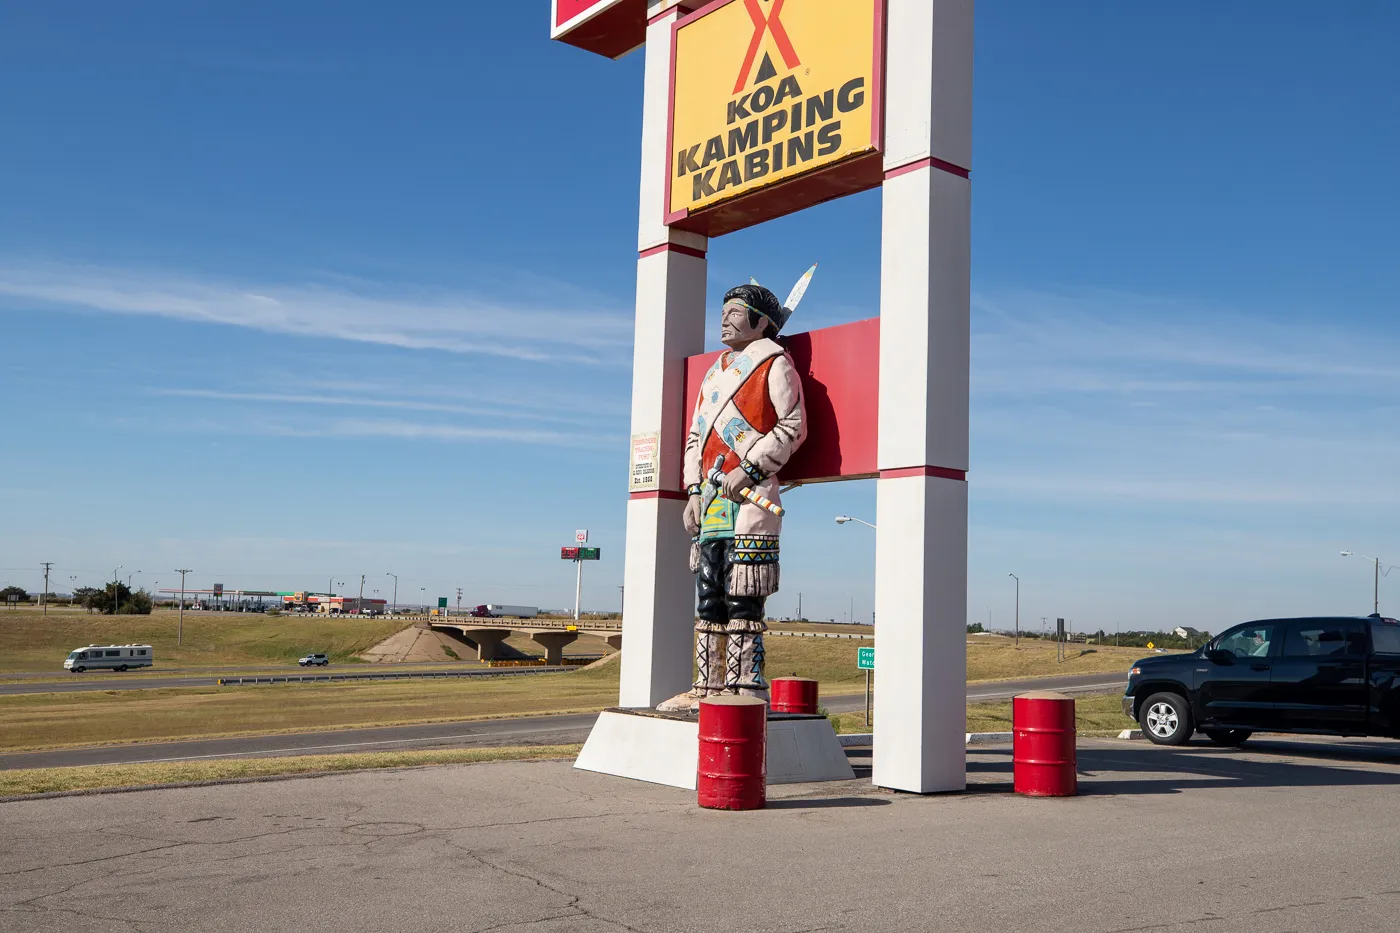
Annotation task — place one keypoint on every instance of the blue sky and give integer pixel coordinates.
(303, 289)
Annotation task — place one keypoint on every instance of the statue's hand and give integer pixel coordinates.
(692, 516)
(735, 481)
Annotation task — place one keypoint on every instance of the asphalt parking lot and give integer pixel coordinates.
(1293, 835)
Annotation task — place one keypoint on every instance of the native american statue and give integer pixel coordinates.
(748, 420)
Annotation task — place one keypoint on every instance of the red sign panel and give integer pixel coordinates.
(840, 370)
(608, 27)
(568, 553)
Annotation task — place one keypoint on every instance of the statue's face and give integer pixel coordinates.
(735, 331)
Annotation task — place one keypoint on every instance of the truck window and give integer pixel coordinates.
(1250, 641)
(113, 654)
(1325, 638)
(1385, 637)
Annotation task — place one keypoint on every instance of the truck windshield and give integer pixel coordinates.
(74, 655)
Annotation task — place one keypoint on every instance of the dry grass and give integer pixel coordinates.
(29, 642)
(1098, 714)
(95, 777)
(96, 717)
(45, 720)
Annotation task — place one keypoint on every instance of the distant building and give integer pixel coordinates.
(1186, 632)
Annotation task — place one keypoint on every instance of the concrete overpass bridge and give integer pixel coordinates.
(487, 636)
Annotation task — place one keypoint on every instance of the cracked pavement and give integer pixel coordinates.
(1293, 835)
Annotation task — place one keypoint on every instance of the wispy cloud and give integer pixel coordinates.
(1106, 398)
(361, 401)
(390, 314)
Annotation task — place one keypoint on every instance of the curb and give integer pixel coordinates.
(1130, 734)
(851, 739)
(987, 738)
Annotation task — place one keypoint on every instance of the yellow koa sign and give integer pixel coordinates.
(770, 90)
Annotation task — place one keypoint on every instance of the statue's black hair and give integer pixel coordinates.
(760, 298)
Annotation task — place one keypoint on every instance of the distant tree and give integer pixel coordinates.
(975, 628)
(109, 599)
(13, 593)
(137, 604)
(84, 596)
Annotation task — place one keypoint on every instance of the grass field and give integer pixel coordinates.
(94, 777)
(1093, 715)
(31, 642)
(97, 717)
(220, 639)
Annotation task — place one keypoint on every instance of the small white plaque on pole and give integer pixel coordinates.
(645, 474)
(581, 536)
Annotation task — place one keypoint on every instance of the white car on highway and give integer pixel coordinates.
(314, 660)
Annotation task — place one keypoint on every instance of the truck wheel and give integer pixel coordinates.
(121, 668)
(79, 670)
(1229, 738)
(1166, 719)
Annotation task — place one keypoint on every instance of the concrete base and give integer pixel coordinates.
(664, 748)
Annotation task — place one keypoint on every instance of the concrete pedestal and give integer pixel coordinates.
(664, 748)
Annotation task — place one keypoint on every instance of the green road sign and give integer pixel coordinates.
(442, 602)
(865, 659)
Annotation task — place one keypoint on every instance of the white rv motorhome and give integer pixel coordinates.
(108, 658)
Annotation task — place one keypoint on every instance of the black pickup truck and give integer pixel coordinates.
(1328, 675)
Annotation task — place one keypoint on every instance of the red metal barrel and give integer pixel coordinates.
(733, 772)
(794, 695)
(1042, 750)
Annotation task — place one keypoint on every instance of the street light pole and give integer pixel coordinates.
(842, 519)
(1018, 607)
(116, 588)
(396, 589)
(1376, 586)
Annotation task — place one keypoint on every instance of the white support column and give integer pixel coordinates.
(659, 625)
(921, 541)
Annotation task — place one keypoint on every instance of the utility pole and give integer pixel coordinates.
(799, 607)
(180, 638)
(1018, 607)
(459, 600)
(116, 588)
(360, 602)
(394, 606)
(44, 599)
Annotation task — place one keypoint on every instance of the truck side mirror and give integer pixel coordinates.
(1220, 656)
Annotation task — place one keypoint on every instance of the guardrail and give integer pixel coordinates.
(822, 635)
(537, 662)
(395, 675)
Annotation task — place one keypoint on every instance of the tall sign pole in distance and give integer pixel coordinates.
(578, 555)
(180, 637)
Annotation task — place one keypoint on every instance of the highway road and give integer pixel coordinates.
(532, 730)
(86, 682)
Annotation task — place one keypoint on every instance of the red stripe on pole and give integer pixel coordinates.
(929, 162)
(660, 494)
(940, 472)
(674, 248)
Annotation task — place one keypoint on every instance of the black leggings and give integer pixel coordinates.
(711, 582)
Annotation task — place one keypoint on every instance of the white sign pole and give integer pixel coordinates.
(670, 325)
(921, 496)
(578, 587)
